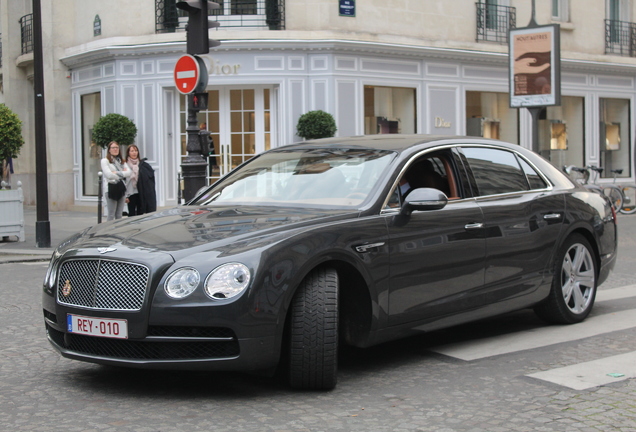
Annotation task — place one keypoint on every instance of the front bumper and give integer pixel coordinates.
(222, 352)
(196, 333)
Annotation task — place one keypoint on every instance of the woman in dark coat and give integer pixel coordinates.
(146, 187)
(140, 193)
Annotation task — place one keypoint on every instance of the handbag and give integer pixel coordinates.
(116, 190)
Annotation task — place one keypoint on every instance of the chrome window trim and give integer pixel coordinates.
(516, 153)
(471, 143)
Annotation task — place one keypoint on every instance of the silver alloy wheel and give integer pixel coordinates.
(578, 279)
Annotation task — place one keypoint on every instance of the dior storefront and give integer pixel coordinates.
(258, 89)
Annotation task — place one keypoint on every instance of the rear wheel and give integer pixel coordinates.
(629, 203)
(615, 195)
(574, 284)
(313, 332)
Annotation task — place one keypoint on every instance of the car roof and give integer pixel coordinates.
(391, 142)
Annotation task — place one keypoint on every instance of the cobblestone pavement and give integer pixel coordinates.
(399, 386)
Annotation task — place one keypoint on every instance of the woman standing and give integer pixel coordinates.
(140, 191)
(132, 192)
(115, 170)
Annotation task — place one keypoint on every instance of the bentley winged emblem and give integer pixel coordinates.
(66, 288)
(103, 250)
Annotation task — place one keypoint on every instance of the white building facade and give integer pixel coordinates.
(382, 67)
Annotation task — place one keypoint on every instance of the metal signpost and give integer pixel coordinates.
(191, 79)
(535, 70)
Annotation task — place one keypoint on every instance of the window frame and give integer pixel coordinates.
(562, 10)
(518, 157)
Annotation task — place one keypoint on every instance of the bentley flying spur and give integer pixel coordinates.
(323, 243)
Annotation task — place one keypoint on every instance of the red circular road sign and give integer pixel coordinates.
(190, 74)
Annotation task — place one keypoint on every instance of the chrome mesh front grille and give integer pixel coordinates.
(102, 284)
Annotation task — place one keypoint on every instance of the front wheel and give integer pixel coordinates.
(313, 332)
(574, 283)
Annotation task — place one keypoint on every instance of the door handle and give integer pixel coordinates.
(475, 225)
(552, 216)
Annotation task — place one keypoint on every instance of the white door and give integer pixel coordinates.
(240, 123)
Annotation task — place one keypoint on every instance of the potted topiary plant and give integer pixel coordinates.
(316, 124)
(114, 127)
(10, 137)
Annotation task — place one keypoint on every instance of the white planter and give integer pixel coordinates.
(12, 212)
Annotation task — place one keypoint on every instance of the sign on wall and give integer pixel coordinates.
(442, 107)
(347, 8)
(97, 26)
(535, 66)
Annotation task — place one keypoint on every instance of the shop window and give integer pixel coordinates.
(389, 110)
(614, 136)
(562, 133)
(91, 152)
(489, 115)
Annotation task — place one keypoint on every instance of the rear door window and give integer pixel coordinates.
(534, 179)
(495, 171)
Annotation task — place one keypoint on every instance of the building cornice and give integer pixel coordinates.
(116, 48)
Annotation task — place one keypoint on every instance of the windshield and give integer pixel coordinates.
(313, 177)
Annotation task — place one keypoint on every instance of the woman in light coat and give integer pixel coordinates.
(114, 169)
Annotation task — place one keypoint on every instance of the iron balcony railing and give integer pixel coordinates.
(494, 21)
(256, 14)
(26, 29)
(620, 38)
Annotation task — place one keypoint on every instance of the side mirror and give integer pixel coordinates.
(424, 199)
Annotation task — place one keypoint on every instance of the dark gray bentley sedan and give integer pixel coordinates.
(338, 241)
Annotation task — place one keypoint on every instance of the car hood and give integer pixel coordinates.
(184, 230)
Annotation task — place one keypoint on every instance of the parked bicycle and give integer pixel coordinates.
(582, 176)
(612, 191)
(629, 195)
(627, 190)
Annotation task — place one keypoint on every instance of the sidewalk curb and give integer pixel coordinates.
(21, 259)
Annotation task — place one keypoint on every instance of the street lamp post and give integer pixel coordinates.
(42, 224)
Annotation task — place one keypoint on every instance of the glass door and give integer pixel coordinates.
(91, 152)
(240, 125)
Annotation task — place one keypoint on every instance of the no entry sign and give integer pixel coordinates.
(190, 74)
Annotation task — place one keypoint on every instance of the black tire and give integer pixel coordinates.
(574, 284)
(313, 332)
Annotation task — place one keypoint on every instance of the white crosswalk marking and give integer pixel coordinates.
(538, 337)
(579, 376)
(616, 293)
(593, 373)
(549, 335)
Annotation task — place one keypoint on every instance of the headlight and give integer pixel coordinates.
(181, 283)
(51, 271)
(227, 281)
